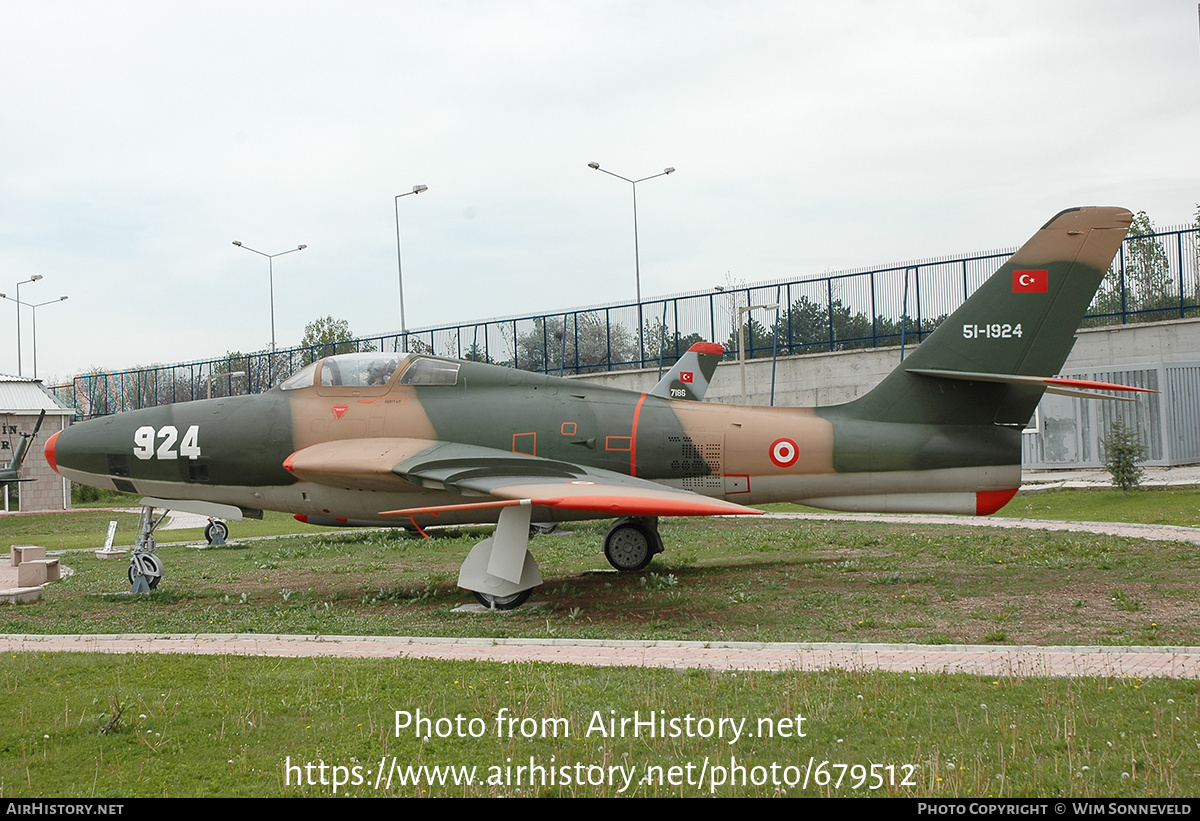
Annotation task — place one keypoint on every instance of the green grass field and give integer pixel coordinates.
(99, 726)
(119, 726)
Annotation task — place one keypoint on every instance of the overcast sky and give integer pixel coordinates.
(140, 139)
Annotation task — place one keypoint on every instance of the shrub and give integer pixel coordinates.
(1123, 452)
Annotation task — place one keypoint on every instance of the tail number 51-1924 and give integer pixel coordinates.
(144, 437)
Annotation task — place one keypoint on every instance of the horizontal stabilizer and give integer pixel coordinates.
(1052, 384)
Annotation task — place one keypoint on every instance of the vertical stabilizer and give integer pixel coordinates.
(1022, 321)
(690, 377)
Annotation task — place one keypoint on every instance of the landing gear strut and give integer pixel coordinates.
(631, 543)
(145, 568)
(500, 570)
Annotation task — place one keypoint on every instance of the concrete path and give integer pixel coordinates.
(1000, 661)
(1154, 533)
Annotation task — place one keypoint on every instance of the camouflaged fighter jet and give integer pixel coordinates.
(415, 440)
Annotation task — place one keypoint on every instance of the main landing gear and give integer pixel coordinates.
(502, 602)
(215, 533)
(632, 542)
(501, 572)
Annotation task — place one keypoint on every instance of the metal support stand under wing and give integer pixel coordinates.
(500, 570)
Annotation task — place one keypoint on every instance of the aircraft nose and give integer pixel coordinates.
(50, 445)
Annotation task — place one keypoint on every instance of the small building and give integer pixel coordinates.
(22, 400)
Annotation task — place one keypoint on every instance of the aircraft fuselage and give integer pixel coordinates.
(232, 450)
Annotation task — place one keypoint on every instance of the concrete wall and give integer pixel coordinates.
(832, 378)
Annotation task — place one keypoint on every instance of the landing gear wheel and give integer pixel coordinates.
(630, 545)
(152, 579)
(216, 532)
(502, 602)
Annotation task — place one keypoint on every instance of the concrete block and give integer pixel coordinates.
(31, 574)
(52, 571)
(26, 552)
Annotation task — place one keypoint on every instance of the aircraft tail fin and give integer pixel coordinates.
(1020, 323)
(691, 375)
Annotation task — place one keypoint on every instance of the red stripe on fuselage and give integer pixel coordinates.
(633, 439)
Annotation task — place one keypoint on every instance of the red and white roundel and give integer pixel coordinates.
(784, 453)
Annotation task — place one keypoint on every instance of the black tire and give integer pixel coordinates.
(629, 545)
(213, 528)
(152, 581)
(502, 602)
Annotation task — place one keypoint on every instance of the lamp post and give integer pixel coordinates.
(417, 189)
(271, 274)
(33, 309)
(741, 312)
(33, 278)
(637, 266)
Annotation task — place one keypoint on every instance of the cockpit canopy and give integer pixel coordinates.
(373, 370)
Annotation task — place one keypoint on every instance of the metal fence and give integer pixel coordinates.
(1154, 277)
(1069, 431)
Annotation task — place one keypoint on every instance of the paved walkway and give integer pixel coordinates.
(1154, 533)
(1140, 662)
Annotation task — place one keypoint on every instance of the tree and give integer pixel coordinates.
(591, 343)
(1123, 452)
(1150, 287)
(667, 344)
(1147, 269)
(326, 336)
(476, 353)
(1196, 256)
(760, 340)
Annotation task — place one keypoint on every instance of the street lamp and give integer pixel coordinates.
(271, 274)
(33, 310)
(33, 278)
(741, 313)
(637, 267)
(417, 189)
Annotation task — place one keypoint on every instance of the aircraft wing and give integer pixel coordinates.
(499, 478)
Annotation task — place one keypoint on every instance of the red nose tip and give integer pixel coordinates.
(50, 443)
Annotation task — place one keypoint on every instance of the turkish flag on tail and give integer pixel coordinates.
(1030, 282)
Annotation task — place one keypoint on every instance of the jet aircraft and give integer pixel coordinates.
(417, 440)
(11, 472)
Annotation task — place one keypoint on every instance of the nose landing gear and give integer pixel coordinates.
(145, 568)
